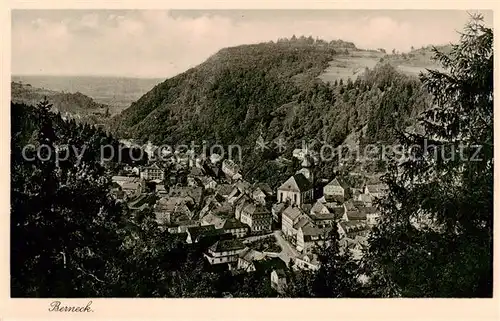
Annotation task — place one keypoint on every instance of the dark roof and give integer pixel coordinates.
(302, 222)
(353, 226)
(358, 203)
(368, 209)
(338, 212)
(279, 207)
(270, 263)
(306, 207)
(227, 245)
(265, 188)
(338, 182)
(197, 230)
(232, 223)
(302, 182)
(251, 255)
(296, 183)
(321, 216)
(196, 171)
(310, 231)
(224, 189)
(356, 215)
(255, 209)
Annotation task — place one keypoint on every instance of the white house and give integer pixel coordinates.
(297, 190)
(335, 190)
(224, 251)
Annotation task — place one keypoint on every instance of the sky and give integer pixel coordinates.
(163, 43)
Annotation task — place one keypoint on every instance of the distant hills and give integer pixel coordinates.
(71, 105)
(117, 92)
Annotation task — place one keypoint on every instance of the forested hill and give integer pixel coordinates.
(71, 105)
(273, 90)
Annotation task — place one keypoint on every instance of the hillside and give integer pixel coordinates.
(273, 90)
(71, 105)
(116, 92)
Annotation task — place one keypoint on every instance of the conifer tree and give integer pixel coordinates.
(435, 238)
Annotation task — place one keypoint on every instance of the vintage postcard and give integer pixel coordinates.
(225, 153)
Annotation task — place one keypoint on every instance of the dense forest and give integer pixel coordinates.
(69, 238)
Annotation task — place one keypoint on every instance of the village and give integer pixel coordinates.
(206, 200)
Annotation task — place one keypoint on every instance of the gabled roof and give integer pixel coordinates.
(319, 216)
(131, 185)
(227, 245)
(196, 171)
(211, 219)
(338, 183)
(278, 207)
(356, 216)
(312, 259)
(303, 183)
(251, 255)
(265, 188)
(153, 166)
(304, 221)
(254, 209)
(269, 264)
(312, 230)
(368, 210)
(198, 232)
(224, 189)
(233, 223)
(296, 183)
(231, 165)
(205, 180)
(224, 209)
(257, 191)
(338, 212)
(319, 207)
(242, 200)
(243, 186)
(292, 212)
(160, 188)
(377, 188)
(353, 226)
(121, 179)
(358, 204)
(306, 207)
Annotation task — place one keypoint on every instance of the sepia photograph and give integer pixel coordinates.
(250, 153)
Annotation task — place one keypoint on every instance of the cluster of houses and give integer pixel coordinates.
(207, 201)
(204, 199)
(307, 223)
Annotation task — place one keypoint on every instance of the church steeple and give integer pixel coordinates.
(306, 170)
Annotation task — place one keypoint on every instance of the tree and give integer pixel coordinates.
(435, 238)
(63, 223)
(337, 276)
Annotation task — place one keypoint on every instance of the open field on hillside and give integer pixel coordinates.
(354, 64)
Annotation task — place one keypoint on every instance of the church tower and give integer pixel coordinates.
(306, 170)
